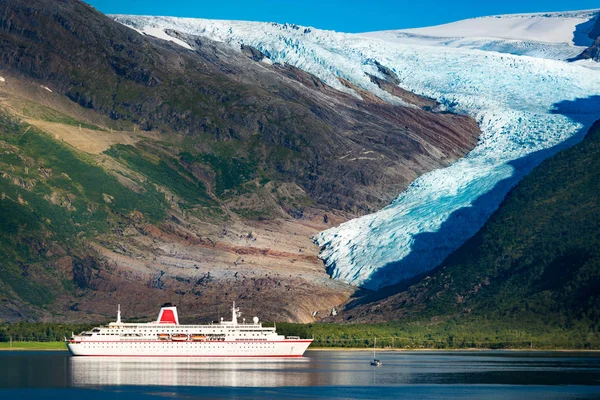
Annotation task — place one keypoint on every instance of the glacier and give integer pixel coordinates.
(527, 107)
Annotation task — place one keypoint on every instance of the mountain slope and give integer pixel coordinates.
(82, 231)
(537, 257)
(138, 171)
(521, 112)
(213, 90)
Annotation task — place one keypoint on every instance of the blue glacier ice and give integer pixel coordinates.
(527, 107)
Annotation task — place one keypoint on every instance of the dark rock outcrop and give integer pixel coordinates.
(595, 32)
(593, 52)
(252, 53)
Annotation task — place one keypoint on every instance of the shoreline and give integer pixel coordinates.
(33, 346)
(383, 349)
(31, 349)
(60, 346)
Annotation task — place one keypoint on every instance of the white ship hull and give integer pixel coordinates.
(157, 348)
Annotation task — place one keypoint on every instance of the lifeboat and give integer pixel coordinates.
(198, 338)
(163, 336)
(179, 337)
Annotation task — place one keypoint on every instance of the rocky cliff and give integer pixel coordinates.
(593, 52)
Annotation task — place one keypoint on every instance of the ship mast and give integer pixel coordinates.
(235, 312)
(118, 314)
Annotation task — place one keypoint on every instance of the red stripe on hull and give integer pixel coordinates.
(189, 341)
(176, 355)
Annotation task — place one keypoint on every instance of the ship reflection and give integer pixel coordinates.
(165, 371)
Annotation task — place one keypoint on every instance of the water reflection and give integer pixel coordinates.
(334, 369)
(166, 371)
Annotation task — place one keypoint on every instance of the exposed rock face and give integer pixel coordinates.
(252, 53)
(593, 52)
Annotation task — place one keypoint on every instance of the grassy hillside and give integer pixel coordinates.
(53, 198)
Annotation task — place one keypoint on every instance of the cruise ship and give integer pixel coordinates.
(165, 337)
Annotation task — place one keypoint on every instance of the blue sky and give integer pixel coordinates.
(340, 15)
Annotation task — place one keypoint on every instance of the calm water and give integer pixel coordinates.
(336, 374)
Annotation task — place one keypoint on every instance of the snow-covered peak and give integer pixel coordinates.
(547, 27)
(559, 35)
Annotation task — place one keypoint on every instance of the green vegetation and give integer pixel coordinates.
(539, 255)
(72, 172)
(37, 336)
(238, 170)
(237, 162)
(53, 197)
(81, 177)
(455, 333)
(230, 173)
(38, 111)
(39, 331)
(33, 346)
(165, 172)
(451, 334)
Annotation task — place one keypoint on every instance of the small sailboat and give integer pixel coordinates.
(375, 362)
